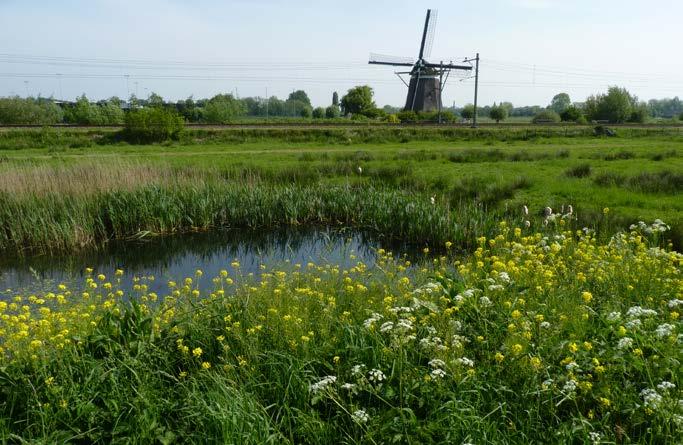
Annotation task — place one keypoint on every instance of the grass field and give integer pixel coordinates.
(559, 326)
(635, 178)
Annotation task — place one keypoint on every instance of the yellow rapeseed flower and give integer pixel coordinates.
(197, 352)
(206, 365)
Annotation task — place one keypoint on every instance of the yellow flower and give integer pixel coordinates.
(101, 277)
(605, 210)
(587, 345)
(587, 297)
(516, 314)
(118, 272)
(336, 359)
(604, 402)
(535, 362)
(448, 244)
(517, 348)
(206, 365)
(499, 357)
(573, 347)
(197, 352)
(224, 273)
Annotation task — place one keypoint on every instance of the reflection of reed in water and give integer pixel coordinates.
(184, 253)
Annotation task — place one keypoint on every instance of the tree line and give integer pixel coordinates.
(617, 105)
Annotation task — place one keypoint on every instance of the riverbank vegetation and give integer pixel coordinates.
(548, 337)
(424, 191)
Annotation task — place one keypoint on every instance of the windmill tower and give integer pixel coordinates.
(426, 79)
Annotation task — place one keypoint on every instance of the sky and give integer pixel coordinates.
(530, 49)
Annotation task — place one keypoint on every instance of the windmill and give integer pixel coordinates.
(426, 79)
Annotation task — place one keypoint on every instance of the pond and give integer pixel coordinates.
(177, 256)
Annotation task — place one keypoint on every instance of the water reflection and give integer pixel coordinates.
(177, 256)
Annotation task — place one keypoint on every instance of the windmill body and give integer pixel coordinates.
(426, 79)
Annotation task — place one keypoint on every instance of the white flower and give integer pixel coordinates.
(360, 416)
(637, 311)
(376, 375)
(572, 366)
(495, 287)
(375, 317)
(570, 210)
(595, 437)
(570, 386)
(545, 325)
(651, 398)
(525, 210)
(437, 363)
(548, 211)
(322, 384)
(632, 324)
(527, 223)
(664, 330)
(504, 277)
(665, 386)
(432, 200)
(360, 170)
(546, 383)
(357, 370)
(614, 316)
(348, 386)
(387, 326)
(465, 361)
(437, 374)
(625, 342)
(485, 302)
(675, 303)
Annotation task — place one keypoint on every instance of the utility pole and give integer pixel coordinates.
(476, 90)
(267, 100)
(440, 89)
(26, 85)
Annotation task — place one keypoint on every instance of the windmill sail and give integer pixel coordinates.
(426, 79)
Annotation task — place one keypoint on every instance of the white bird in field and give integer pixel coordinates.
(360, 170)
(432, 200)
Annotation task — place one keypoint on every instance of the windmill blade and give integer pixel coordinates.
(383, 59)
(430, 32)
(430, 23)
(449, 66)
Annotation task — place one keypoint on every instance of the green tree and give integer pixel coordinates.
(306, 112)
(332, 111)
(335, 99)
(545, 116)
(467, 112)
(223, 108)
(498, 113)
(560, 102)
(358, 100)
(83, 113)
(301, 96)
(319, 112)
(680, 117)
(17, 110)
(154, 100)
(571, 114)
(615, 107)
(154, 124)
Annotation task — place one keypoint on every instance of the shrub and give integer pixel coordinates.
(680, 117)
(545, 116)
(408, 116)
(15, 110)
(571, 114)
(579, 171)
(392, 119)
(152, 125)
(332, 112)
(319, 112)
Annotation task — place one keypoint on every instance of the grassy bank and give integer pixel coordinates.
(539, 338)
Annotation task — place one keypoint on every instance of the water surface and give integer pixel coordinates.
(177, 256)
